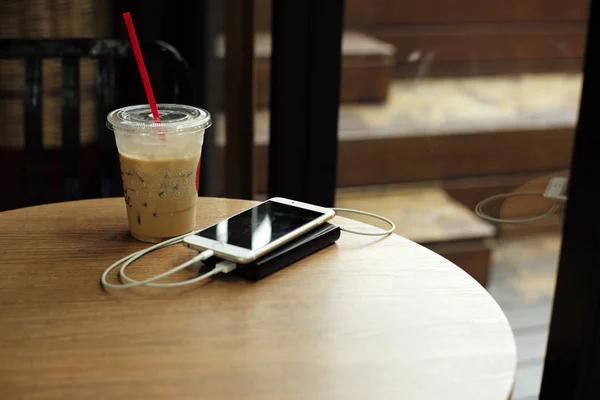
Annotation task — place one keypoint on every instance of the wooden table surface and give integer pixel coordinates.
(365, 318)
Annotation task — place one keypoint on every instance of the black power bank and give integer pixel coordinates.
(287, 254)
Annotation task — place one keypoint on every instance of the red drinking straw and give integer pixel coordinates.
(145, 79)
(141, 66)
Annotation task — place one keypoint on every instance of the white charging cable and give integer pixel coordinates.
(221, 267)
(480, 213)
(391, 229)
(127, 260)
(556, 191)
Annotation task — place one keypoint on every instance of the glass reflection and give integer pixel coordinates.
(222, 231)
(262, 234)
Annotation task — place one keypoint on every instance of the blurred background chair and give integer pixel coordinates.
(73, 170)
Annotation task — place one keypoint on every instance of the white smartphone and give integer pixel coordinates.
(256, 231)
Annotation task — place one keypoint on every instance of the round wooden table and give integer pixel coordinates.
(365, 318)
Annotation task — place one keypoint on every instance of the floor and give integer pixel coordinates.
(522, 281)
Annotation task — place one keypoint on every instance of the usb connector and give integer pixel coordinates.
(557, 189)
(225, 266)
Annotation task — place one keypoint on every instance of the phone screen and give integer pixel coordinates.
(258, 226)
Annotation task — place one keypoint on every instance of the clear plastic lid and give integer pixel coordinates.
(175, 119)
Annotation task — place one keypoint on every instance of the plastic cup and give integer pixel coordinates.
(160, 162)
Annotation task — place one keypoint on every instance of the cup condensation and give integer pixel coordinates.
(159, 166)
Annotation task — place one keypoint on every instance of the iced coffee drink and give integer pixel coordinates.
(159, 164)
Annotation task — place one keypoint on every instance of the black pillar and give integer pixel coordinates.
(238, 82)
(305, 92)
(572, 366)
